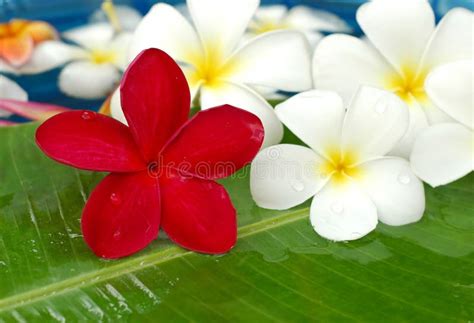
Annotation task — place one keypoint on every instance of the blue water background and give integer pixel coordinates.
(66, 14)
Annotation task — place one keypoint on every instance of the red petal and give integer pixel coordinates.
(155, 100)
(197, 214)
(215, 143)
(88, 140)
(122, 215)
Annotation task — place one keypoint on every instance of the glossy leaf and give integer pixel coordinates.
(279, 270)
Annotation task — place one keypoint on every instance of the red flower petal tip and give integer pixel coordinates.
(162, 165)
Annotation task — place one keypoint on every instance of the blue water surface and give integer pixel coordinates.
(66, 14)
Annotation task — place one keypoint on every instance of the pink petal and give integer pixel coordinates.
(31, 110)
(6, 123)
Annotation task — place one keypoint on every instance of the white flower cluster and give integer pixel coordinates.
(406, 90)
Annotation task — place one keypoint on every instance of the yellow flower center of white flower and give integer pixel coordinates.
(409, 85)
(211, 69)
(340, 166)
(101, 56)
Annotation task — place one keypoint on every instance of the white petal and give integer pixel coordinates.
(343, 212)
(452, 39)
(443, 153)
(116, 107)
(417, 123)
(120, 46)
(91, 36)
(313, 38)
(302, 17)
(183, 10)
(269, 93)
(375, 121)
(434, 114)
(87, 80)
(315, 117)
(222, 23)
(165, 28)
(272, 13)
(396, 192)
(7, 68)
(193, 82)
(279, 59)
(49, 55)
(127, 16)
(400, 29)
(284, 176)
(247, 99)
(451, 87)
(10, 90)
(342, 63)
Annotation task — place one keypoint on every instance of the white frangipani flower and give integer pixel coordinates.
(403, 46)
(345, 168)
(10, 90)
(309, 21)
(444, 152)
(218, 70)
(96, 66)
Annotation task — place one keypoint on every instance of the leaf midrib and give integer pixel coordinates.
(135, 264)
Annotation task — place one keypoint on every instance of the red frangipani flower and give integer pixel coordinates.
(162, 165)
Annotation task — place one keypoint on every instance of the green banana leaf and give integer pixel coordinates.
(280, 270)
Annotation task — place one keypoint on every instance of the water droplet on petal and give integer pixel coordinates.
(117, 234)
(298, 186)
(404, 179)
(337, 208)
(115, 199)
(88, 115)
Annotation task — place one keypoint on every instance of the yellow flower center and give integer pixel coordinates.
(100, 56)
(409, 84)
(340, 166)
(211, 69)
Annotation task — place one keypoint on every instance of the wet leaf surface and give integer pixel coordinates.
(280, 269)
